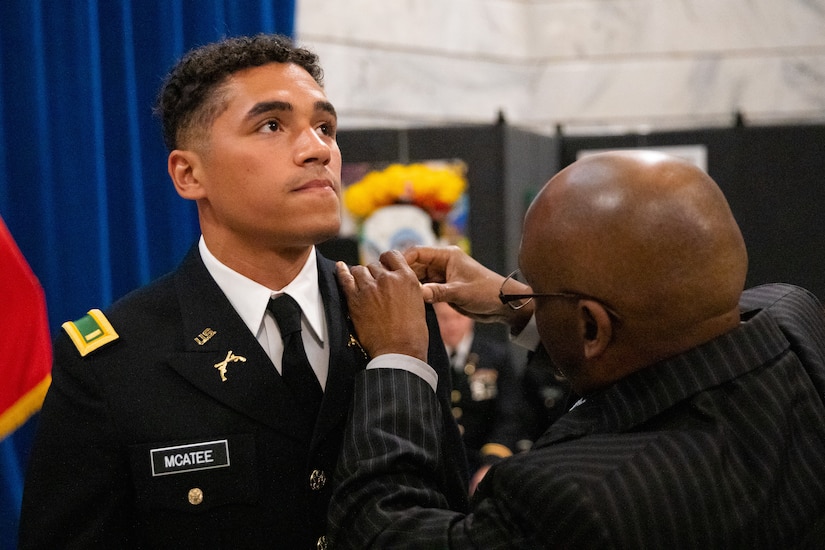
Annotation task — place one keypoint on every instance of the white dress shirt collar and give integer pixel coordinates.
(250, 299)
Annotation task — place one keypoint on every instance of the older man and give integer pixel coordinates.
(701, 423)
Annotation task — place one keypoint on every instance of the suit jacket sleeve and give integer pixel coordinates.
(389, 491)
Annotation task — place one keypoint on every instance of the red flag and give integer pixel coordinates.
(25, 342)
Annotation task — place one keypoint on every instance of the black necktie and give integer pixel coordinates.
(295, 368)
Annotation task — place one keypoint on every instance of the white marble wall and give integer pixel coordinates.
(587, 65)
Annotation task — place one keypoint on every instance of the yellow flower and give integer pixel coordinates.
(435, 189)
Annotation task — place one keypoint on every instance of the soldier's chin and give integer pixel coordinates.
(328, 233)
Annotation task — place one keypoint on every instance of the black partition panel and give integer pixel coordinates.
(774, 179)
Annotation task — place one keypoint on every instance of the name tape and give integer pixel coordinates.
(189, 458)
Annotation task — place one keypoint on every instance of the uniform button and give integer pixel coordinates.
(195, 496)
(317, 480)
(455, 396)
(469, 369)
(322, 543)
(457, 412)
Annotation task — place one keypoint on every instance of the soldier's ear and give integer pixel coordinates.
(185, 169)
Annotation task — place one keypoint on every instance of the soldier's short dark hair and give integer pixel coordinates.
(191, 96)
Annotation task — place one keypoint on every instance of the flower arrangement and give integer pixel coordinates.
(433, 189)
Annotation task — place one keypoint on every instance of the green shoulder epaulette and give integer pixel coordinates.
(90, 332)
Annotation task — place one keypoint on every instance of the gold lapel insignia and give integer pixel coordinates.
(230, 358)
(204, 336)
(354, 343)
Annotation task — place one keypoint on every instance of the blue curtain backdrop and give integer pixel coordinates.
(83, 183)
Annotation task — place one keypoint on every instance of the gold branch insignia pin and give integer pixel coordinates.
(354, 343)
(204, 336)
(230, 358)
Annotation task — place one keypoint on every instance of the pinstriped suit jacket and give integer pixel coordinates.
(720, 447)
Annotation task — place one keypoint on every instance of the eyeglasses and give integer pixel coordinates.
(518, 301)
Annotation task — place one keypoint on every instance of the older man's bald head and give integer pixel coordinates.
(649, 234)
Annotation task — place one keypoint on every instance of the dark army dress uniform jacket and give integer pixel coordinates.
(141, 444)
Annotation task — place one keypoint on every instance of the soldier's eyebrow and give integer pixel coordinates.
(268, 106)
(326, 106)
